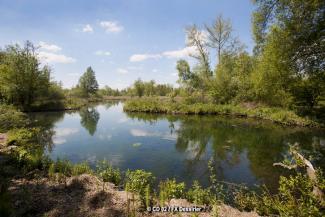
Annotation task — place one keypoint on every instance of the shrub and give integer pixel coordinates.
(139, 182)
(63, 167)
(199, 195)
(81, 168)
(107, 173)
(298, 195)
(11, 118)
(170, 189)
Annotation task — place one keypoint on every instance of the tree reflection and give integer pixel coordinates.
(241, 149)
(89, 119)
(45, 121)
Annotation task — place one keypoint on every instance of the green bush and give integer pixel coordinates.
(63, 167)
(11, 118)
(295, 198)
(81, 168)
(199, 195)
(107, 173)
(171, 189)
(29, 153)
(139, 182)
(298, 195)
(24, 137)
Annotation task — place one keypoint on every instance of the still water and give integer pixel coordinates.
(180, 147)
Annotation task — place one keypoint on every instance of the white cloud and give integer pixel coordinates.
(155, 70)
(142, 57)
(122, 71)
(102, 53)
(87, 28)
(111, 26)
(61, 134)
(49, 47)
(144, 133)
(182, 53)
(55, 58)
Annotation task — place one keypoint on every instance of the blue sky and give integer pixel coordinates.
(121, 39)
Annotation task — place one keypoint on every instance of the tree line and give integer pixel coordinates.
(26, 82)
(287, 67)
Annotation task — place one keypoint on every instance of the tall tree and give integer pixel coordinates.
(197, 39)
(88, 83)
(219, 34)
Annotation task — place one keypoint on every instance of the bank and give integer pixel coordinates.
(274, 114)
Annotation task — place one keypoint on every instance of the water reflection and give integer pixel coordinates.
(238, 148)
(179, 146)
(89, 119)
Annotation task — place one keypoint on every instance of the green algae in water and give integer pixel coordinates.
(135, 145)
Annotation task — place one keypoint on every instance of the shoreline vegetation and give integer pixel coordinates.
(276, 115)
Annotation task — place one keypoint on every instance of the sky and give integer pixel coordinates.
(122, 40)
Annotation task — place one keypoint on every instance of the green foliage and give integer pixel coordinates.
(295, 198)
(199, 195)
(290, 43)
(87, 83)
(63, 167)
(107, 91)
(184, 71)
(276, 115)
(22, 80)
(11, 118)
(142, 88)
(299, 194)
(138, 182)
(169, 189)
(107, 173)
(81, 168)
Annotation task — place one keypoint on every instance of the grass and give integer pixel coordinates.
(277, 115)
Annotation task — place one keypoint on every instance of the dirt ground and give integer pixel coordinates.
(83, 196)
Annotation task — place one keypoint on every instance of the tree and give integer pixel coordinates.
(139, 87)
(197, 39)
(219, 34)
(22, 80)
(233, 78)
(88, 83)
(184, 71)
(300, 24)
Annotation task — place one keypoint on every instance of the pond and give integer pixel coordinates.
(178, 146)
